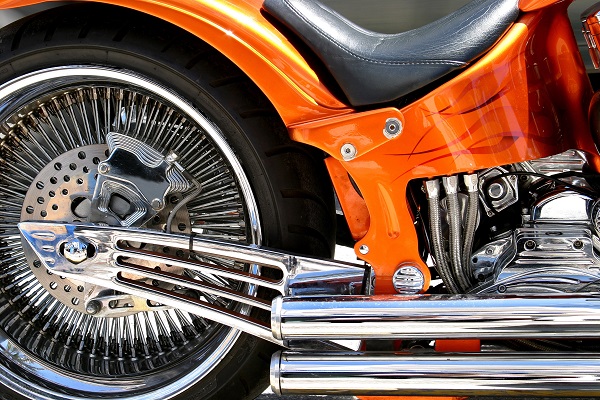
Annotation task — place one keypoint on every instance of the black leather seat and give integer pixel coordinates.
(375, 68)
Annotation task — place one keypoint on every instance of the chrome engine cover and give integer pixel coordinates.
(556, 250)
(546, 258)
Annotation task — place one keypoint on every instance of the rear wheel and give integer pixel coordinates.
(72, 75)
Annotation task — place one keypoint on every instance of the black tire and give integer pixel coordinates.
(294, 196)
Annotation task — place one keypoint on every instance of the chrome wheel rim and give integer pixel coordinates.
(73, 103)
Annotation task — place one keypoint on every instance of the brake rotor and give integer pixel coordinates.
(62, 191)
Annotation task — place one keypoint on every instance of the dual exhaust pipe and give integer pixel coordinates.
(436, 317)
(476, 374)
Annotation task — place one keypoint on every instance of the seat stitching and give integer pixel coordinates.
(339, 45)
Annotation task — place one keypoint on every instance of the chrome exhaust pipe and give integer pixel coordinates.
(474, 374)
(436, 317)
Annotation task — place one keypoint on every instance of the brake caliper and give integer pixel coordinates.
(134, 182)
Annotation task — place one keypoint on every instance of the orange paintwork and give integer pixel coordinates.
(526, 99)
(353, 206)
(532, 5)
(458, 345)
(239, 31)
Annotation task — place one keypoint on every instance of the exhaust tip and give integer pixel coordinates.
(276, 306)
(275, 374)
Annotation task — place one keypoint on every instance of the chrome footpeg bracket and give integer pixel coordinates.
(106, 256)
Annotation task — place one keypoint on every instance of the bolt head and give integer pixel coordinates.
(93, 307)
(171, 157)
(496, 191)
(393, 128)
(363, 249)
(408, 279)
(76, 251)
(103, 168)
(348, 152)
(157, 204)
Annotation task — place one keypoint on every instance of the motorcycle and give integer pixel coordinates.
(169, 173)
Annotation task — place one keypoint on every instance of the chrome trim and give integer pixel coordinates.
(436, 317)
(591, 31)
(275, 374)
(570, 160)
(408, 279)
(107, 268)
(474, 374)
(510, 193)
(540, 258)
(562, 205)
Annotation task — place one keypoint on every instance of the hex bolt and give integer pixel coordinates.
(348, 152)
(578, 244)
(93, 307)
(530, 245)
(103, 168)
(363, 249)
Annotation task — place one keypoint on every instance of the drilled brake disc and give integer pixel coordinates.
(50, 149)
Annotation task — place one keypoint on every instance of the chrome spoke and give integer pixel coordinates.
(61, 134)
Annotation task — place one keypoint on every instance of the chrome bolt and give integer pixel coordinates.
(408, 279)
(489, 251)
(157, 204)
(103, 168)
(393, 128)
(171, 157)
(578, 244)
(530, 245)
(363, 249)
(76, 251)
(348, 152)
(93, 307)
(496, 190)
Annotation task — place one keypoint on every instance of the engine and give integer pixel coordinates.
(537, 229)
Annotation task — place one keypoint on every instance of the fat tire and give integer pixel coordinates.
(293, 192)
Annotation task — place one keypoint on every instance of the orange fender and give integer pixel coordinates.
(239, 31)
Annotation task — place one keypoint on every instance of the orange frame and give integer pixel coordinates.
(526, 98)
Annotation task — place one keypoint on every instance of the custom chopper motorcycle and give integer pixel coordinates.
(167, 215)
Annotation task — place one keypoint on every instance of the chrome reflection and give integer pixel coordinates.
(436, 317)
(475, 374)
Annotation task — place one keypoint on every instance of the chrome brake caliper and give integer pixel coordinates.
(134, 182)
